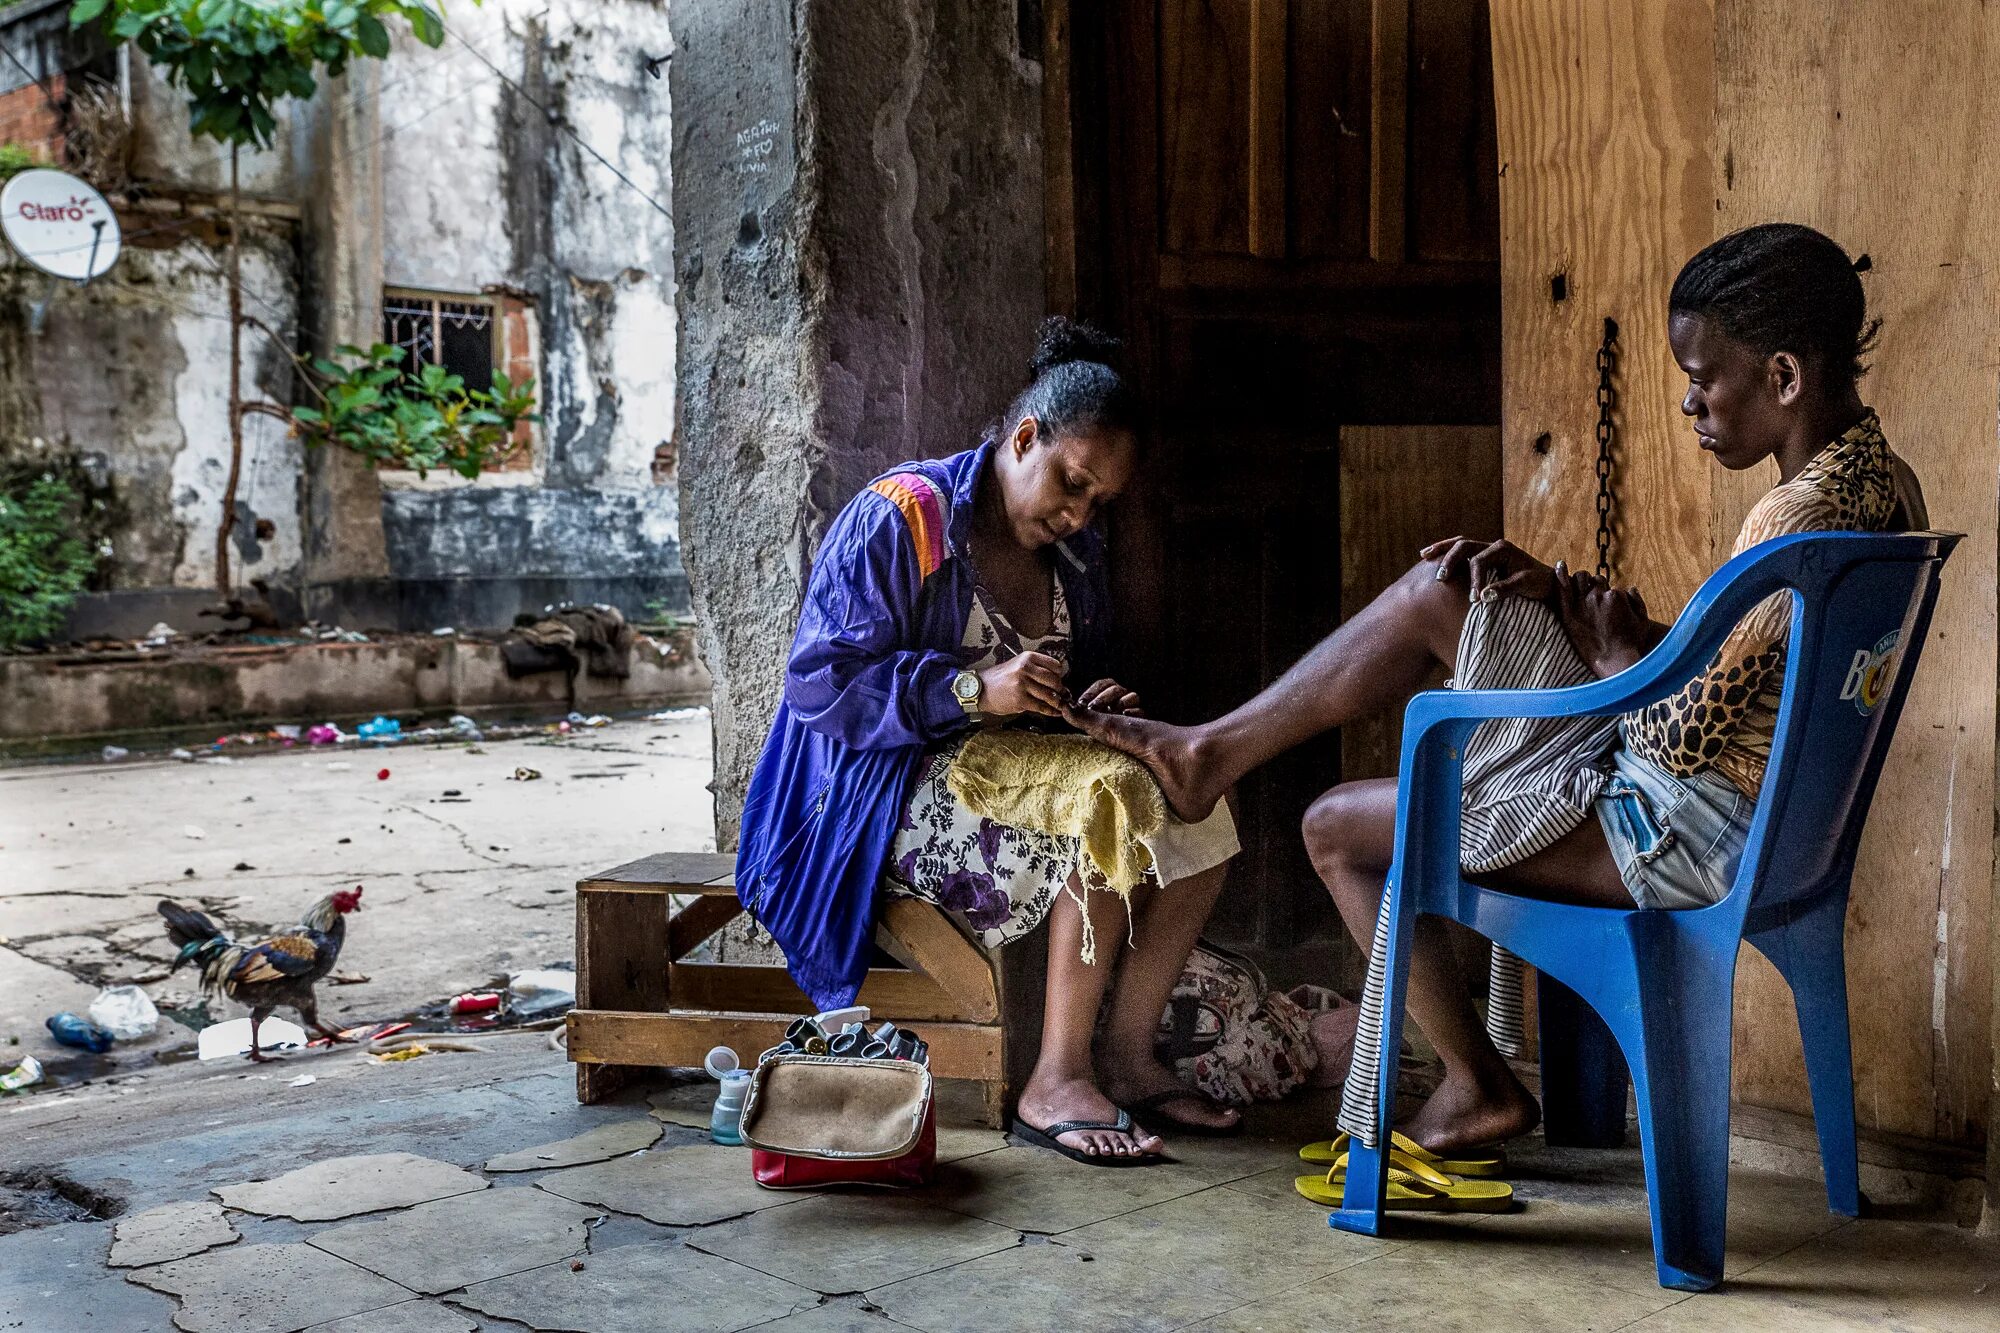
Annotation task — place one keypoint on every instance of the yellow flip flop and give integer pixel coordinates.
(1413, 1187)
(1328, 1151)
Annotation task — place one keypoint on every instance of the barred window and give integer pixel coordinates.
(460, 333)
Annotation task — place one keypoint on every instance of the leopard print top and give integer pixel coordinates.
(1723, 719)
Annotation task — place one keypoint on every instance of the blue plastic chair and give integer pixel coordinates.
(1663, 981)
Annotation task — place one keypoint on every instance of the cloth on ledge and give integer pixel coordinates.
(1068, 785)
(567, 637)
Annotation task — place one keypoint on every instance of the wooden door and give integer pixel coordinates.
(1289, 208)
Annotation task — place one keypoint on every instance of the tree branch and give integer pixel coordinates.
(261, 408)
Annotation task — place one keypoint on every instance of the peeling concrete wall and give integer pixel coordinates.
(523, 207)
(124, 376)
(163, 152)
(458, 170)
(859, 197)
(747, 448)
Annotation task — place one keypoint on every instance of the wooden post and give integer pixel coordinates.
(620, 964)
(1058, 160)
(1268, 23)
(1389, 100)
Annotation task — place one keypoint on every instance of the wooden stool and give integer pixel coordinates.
(639, 1006)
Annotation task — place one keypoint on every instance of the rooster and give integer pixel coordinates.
(279, 971)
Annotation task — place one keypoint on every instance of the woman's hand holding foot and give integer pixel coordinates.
(1025, 683)
(1168, 752)
(1108, 696)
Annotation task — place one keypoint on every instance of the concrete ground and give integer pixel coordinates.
(467, 873)
(469, 1192)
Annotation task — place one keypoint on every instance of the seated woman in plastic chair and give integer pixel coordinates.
(1769, 325)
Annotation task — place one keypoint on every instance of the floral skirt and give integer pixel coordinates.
(1000, 878)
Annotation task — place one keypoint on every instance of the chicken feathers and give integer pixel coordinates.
(265, 974)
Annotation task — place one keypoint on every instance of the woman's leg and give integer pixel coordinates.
(1350, 833)
(1164, 931)
(1374, 660)
(1063, 1085)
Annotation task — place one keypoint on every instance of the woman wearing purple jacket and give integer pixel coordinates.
(949, 595)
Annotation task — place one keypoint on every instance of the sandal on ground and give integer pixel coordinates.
(1047, 1138)
(1413, 1188)
(1154, 1108)
(1482, 1164)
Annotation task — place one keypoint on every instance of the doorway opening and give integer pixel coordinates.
(1290, 211)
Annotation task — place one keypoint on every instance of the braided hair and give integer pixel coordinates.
(1073, 387)
(1784, 287)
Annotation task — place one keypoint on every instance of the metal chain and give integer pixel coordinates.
(1607, 399)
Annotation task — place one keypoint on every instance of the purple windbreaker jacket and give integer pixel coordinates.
(867, 690)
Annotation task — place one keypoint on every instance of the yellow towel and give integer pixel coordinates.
(1067, 785)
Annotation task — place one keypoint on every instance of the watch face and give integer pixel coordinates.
(966, 686)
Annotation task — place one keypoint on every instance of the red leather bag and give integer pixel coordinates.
(813, 1120)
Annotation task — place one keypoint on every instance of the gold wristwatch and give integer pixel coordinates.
(966, 687)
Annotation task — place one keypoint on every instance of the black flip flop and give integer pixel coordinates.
(1161, 1100)
(1046, 1138)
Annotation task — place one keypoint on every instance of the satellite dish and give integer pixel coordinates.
(59, 224)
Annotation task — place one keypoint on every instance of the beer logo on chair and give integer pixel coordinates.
(1869, 674)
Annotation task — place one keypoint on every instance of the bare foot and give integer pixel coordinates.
(1052, 1099)
(1171, 753)
(1127, 1082)
(1463, 1114)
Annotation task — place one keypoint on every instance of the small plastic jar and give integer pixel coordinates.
(725, 1123)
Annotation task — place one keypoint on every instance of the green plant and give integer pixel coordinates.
(422, 421)
(15, 158)
(235, 58)
(43, 564)
(659, 613)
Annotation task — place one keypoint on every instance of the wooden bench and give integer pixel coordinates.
(640, 1006)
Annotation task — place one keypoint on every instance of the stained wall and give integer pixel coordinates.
(1630, 137)
(859, 248)
(470, 169)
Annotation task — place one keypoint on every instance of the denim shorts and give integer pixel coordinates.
(1677, 840)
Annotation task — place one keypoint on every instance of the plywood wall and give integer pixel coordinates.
(1402, 488)
(1606, 114)
(1631, 135)
(1874, 121)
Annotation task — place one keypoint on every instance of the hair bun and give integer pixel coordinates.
(1062, 340)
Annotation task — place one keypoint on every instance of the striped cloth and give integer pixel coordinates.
(1528, 782)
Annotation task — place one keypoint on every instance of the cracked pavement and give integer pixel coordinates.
(471, 1194)
(461, 888)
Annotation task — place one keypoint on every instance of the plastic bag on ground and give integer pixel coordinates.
(540, 991)
(126, 1012)
(219, 1041)
(24, 1075)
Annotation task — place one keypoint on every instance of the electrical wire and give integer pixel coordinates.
(560, 124)
(41, 83)
(495, 72)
